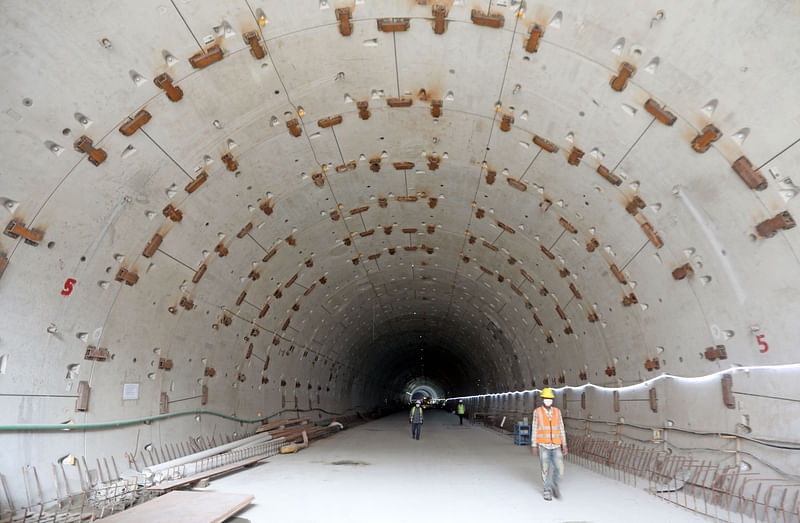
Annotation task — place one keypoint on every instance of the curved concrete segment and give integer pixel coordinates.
(246, 207)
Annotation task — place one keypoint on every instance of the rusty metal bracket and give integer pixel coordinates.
(727, 391)
(575, 156)
(705, 138)
(532, 43)
(330, 121)
(403, 166)
(561, 313)
(363, 110)
(490, 246)
(620, 81)
(652, 235)
(358, 210)
(318, 178)
(781, 221)
(16, 229)
(629, 300)
(165, 364)
(490, 176)
(592, 244)
(172, 213)
(718, 352)
(547, 252)
(124, 275)
(439, 13)
(653, 364)
(205, 58)
(479, 213)
(164, 81)
(84, 145)
(683, 271)
(487, 20)
(575, 291)
(618, 274)
(751, 177)
(195, 184)
(505, 227)
(393, 25)
(400, 101)
(96, 354)
(547, 145)
(152, 246)
(246, 229)
(634, 205)
(366, 233)
(199, 273)
(433, 162)
(267, 257)
(568, 226)
(436, 108)
(516, 184)
(610, 177)
(343, 14)
(230, 162)
(375, 164)
(257, 49)
(507, 121)
(659, 113)
(294, 127)
(526, 276)
(563, 272)
(221, 250)
(133, 124)
(349, 166)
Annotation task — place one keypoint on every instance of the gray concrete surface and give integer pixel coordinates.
(375, 472)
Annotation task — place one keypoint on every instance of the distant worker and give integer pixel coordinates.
(460, 410)
(550, 443)
(415, 418)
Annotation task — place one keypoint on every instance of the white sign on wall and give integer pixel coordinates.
(130, 391)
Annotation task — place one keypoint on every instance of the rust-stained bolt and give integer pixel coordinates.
(433, 162)
(335, 215)
(363, 110)
(230, 162)
(532, 43)
(355, 261)
(387, 229)
(84, 145)
(537, 320)
(563, 272)
(432, 202)
(267, 206)
(431, 228)
(592, 317)
(472, 239)
(620, 81)
(582, 376)
(500, 277)
(133, 124)
(210, 372)
(610, 177)
(547, 145)
(543, 291)
(705, 138)
(592, 244)
(343, 15)
(611, 370)
(172, 213)
(294, 127)
(506, 122)
(575, 156)
(195, 184)
(439, 14)
(254, 275)
(683, 271)
(781, 221)
(226, 319)
(466, 259)
(257, 49)
(383, 202)
(635, 204)
(650, 365)
(318, 178)
(629, 300)
(366, 233)
(487, 20)
(659, 113)
(549, 339)
(479, 213)
(291, 240)
(490, 176)
(221, 250)
(516, 289)
(392, 251)
(205, 58)
(375, 164)
(264, 310)
(751, 177)
(278, 293)
(173, 92)
(546, 203)
(568, 329)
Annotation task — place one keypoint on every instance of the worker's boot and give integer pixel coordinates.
(547, 495)
(556, 492)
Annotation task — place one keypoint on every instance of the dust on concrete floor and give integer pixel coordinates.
(376, 473)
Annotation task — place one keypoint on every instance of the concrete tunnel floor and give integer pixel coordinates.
(375, 472)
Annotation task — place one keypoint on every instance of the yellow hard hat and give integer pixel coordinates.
(548, 393)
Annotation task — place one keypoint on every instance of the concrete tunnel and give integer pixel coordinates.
(223, 214)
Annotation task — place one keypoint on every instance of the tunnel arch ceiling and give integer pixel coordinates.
(276, 266)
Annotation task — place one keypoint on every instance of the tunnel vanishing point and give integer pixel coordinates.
(218, 214)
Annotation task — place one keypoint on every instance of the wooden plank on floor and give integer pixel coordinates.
(185, 506)
(188, 480)
(280, 424)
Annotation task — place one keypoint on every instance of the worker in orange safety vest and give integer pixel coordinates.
(549, 442)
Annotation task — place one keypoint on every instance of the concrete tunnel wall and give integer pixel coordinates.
(532, 242)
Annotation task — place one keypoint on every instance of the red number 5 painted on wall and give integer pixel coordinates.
(762, 343)
(68, 286)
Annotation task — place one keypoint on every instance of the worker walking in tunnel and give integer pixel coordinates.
(415, 418)
(460, 410)
(550, 443)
